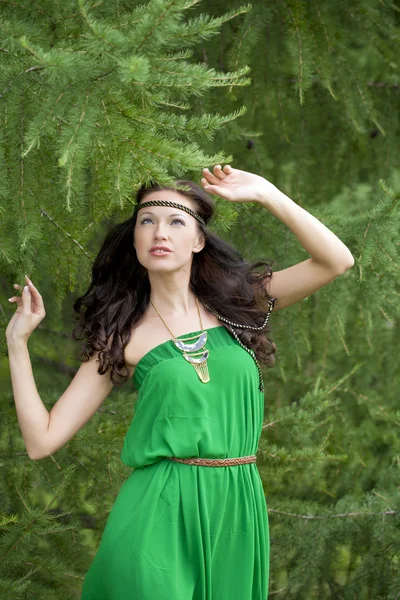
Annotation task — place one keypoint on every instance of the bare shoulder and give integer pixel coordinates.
(135, 348)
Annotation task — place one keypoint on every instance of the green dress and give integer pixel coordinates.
(179, 531)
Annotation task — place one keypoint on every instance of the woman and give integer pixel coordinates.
(189, 324)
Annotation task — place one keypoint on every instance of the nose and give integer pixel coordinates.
(159, 233)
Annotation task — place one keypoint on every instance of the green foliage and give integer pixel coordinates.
(96, 99)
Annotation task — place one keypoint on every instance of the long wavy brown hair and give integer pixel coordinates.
(119, 292)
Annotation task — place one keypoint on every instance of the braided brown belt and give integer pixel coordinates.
(216, 462)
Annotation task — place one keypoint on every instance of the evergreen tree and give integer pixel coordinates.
(96, 99)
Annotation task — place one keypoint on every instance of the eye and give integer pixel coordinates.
(174, 221)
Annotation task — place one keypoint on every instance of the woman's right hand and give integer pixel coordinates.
(30, 312)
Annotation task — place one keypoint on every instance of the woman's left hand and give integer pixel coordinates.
(236, 185)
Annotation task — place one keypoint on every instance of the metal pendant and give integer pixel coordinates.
(180, 344)
(199, 364)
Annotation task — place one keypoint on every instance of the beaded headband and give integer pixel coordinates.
(169, 203)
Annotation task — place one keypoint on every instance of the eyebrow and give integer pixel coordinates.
(147, 212)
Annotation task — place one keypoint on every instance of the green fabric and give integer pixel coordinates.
(187, 532)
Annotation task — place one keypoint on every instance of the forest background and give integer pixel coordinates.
(97, 98)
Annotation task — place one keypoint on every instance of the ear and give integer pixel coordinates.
(201, 242)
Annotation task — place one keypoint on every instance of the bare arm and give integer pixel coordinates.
(45, 432)
(32, 415)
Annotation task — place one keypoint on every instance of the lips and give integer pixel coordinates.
(160, 248)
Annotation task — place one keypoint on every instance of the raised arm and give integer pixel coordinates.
(45, 432)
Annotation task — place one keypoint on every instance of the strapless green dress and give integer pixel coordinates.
(179, 531)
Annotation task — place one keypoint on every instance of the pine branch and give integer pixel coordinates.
(46, 214)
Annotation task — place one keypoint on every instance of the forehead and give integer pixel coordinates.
(169, 211)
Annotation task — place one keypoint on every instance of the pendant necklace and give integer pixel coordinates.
(200, 363)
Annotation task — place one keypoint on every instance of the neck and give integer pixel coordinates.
(172, 300)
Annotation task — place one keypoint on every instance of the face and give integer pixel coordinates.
(167, 226)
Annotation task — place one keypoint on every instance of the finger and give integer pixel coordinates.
(32, 288)
(210, 177)
(228, 169)
(36, 297)
(219, 172)
(29, 281)
(26, 298)
(20, 287)
(215, 189)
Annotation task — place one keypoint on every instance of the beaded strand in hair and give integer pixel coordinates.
(271, 303)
